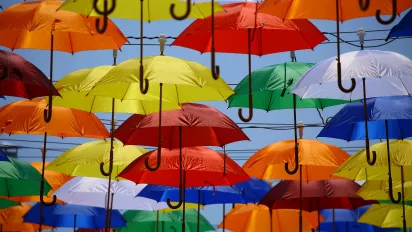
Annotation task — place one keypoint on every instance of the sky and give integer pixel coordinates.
(233, 69)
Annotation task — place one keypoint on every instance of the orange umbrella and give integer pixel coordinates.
(11, 219)
(251, 218)
(55, 179)
(38, 25)
(90, 230)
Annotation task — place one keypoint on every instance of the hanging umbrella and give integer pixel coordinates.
(252, 31)
(389, 118)
(37, 25)
(248, 218)
(344, 220)
(316, 195)
(55, 179)
(382, 74)
(11, 219)
(20, 78)
(270, 85)
(5, 203)
(74, 216)
(388, 216)
(170, 222)
(91, 230)
(355, 168)
(378, 190)
(403, 28)
(200, 167)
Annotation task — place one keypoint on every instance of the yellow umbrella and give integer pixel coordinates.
(379, 190)
(387, 216)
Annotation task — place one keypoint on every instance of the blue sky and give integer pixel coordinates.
(233, 69)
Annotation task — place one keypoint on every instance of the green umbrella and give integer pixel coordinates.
(19, 178)
(139, 220)
(5, 203)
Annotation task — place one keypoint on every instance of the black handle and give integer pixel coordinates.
(188, 9)
(248, 119)
(105, 13)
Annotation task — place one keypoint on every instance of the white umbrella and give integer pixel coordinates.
(93, 192)
(381, 73)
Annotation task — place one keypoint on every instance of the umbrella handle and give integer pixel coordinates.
(295, 170)
(104, 173)
(239, 112)
(393, 17)
(146, 162)
(182, 181)
(144, 83)
(365, 6)
(215, 68)
(371, 161)
(395, 201)
(106, 12)
(42, 196)
(343, 89)
(188, 9)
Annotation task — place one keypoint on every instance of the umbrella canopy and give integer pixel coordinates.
(11, 219)
(234, 23)
(357, 168)
(84, 159)
(344, 220)
(203, 167)
(91, 230)
(318, 160)
(248, 218)
(148, 221)
(244, 192)
(55, 179)
(316, 195)
(29, 25)
(74, 216)
(27, 117)
(385, 73)
(378, 190)
(20, 78)
(403, 28)
(349, 9)
(91, 191)
(75, 86)
(18, 178)
(5, 203)
(183, 81)
(270, 83)
(215, 128)
(154, 10)
(348, 124)
(386, 216)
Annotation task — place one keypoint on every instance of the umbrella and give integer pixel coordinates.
(51, 31)
(248, 218)
(11, 219)
(20, 78)
(25, 117)
(200, 167)
(378, 190)
(340, 10)
(148, 221)
(5, 203)
(355, 168)
(344, 220)
(55, 179)
(316, 195)
(403, 28)
(91, 230)
(251, 30)
(269, 87)
(390, 118)
(74, 216)
(388, 216)
(382, 74)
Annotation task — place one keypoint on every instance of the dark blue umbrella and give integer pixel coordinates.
(388, 118)
(3, 156)
(74, 216)
(403, 28)
(343, 220)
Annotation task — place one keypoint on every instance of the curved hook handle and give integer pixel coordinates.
(159, 156)
(188, 9)
(393, 17)
(239, 112)
(371, 161)
(104, 173)
(106, 12)
(215, 69)
(363, 6)
(343, 89)
(144, 83)
(48, 112)
(295, 170)
(42, 196)
(395, 201)
(181, 191)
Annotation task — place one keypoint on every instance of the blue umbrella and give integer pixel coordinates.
(74, 216)
(3, 156)
(251, 191)
(403, 28)
(344, 220)
(388, 118)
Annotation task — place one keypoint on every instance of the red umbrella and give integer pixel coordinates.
(239, 29)
(20, 78)
(316, 195)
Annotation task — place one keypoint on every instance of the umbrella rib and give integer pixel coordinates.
(144, 110)
(404, 86)
(71, 42)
